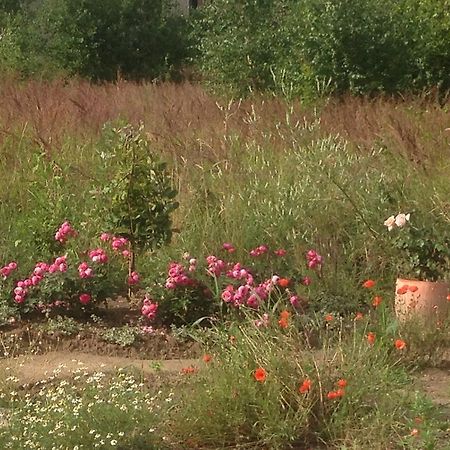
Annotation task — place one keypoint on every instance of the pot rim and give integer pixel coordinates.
(409, 280)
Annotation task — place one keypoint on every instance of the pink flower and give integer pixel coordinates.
(295, 301)
(280, 252)
(126, 253)
(64, 232)
(306, 281)
(85, 298)
(118, 243)
(5, 271)
(263, 322)
(133, 278)
(228, 247)
(85, 271)
(313, 259)
(253, 301)
(105, 237)
(215, 266)
(98, 255)
(35, 280)
(258, 251)
(227, 294)
(149, 308)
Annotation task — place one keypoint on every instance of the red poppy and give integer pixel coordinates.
(368, 284)
(371, 337)
(207, 358)
(402, 290)
(188, 370)
(329, 318)
(335, 394)
(284, 282)
(342, 383)
(412, 288)
(260, 375)
(377, 301)
(400, 344)
(340, 393)
(305, 386)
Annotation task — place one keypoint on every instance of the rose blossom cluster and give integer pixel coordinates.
(6, 271)
(85, 271)
(246, 294)
(133, 278)
(177, 276)
(216, 266)
(228, 247)
(149, 308)
(39, 271)
(64, 232)
(238, 272)
(98, 255)
(313, 259)
(119, 243)
(258, 251)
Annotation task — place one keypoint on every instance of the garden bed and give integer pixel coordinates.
(113, 329)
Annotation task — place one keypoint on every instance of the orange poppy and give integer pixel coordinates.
(260, 375)
(329, 318)
(400, 344)
(368, 284)
(284, 323)
(359, 316)
(414, 432)
(188, 370)
(207, 358)
(335, 394)
(448, 297)
(285, 314)
(342, 383)
(305, 386)
(412, 288)
(371, 337)
(403, 289)
(284, 282)
(377, 301)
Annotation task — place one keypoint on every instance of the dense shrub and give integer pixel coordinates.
(309, 47)
(131, 38)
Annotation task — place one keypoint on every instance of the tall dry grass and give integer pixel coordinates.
(186, 121)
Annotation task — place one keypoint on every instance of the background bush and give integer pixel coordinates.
(131, 38)
(311, 47)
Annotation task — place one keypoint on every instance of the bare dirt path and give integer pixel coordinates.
(30, 369)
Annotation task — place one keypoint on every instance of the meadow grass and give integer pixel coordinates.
(260, 170)
(248, 172)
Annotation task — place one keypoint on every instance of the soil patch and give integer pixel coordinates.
(91, 333)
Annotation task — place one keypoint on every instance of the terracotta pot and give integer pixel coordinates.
(421, 299)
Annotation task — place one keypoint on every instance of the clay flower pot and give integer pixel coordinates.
(421, 299)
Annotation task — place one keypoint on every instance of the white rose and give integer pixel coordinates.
(390, 223)
(401, 220)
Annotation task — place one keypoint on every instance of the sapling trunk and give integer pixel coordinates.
(131, 268)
